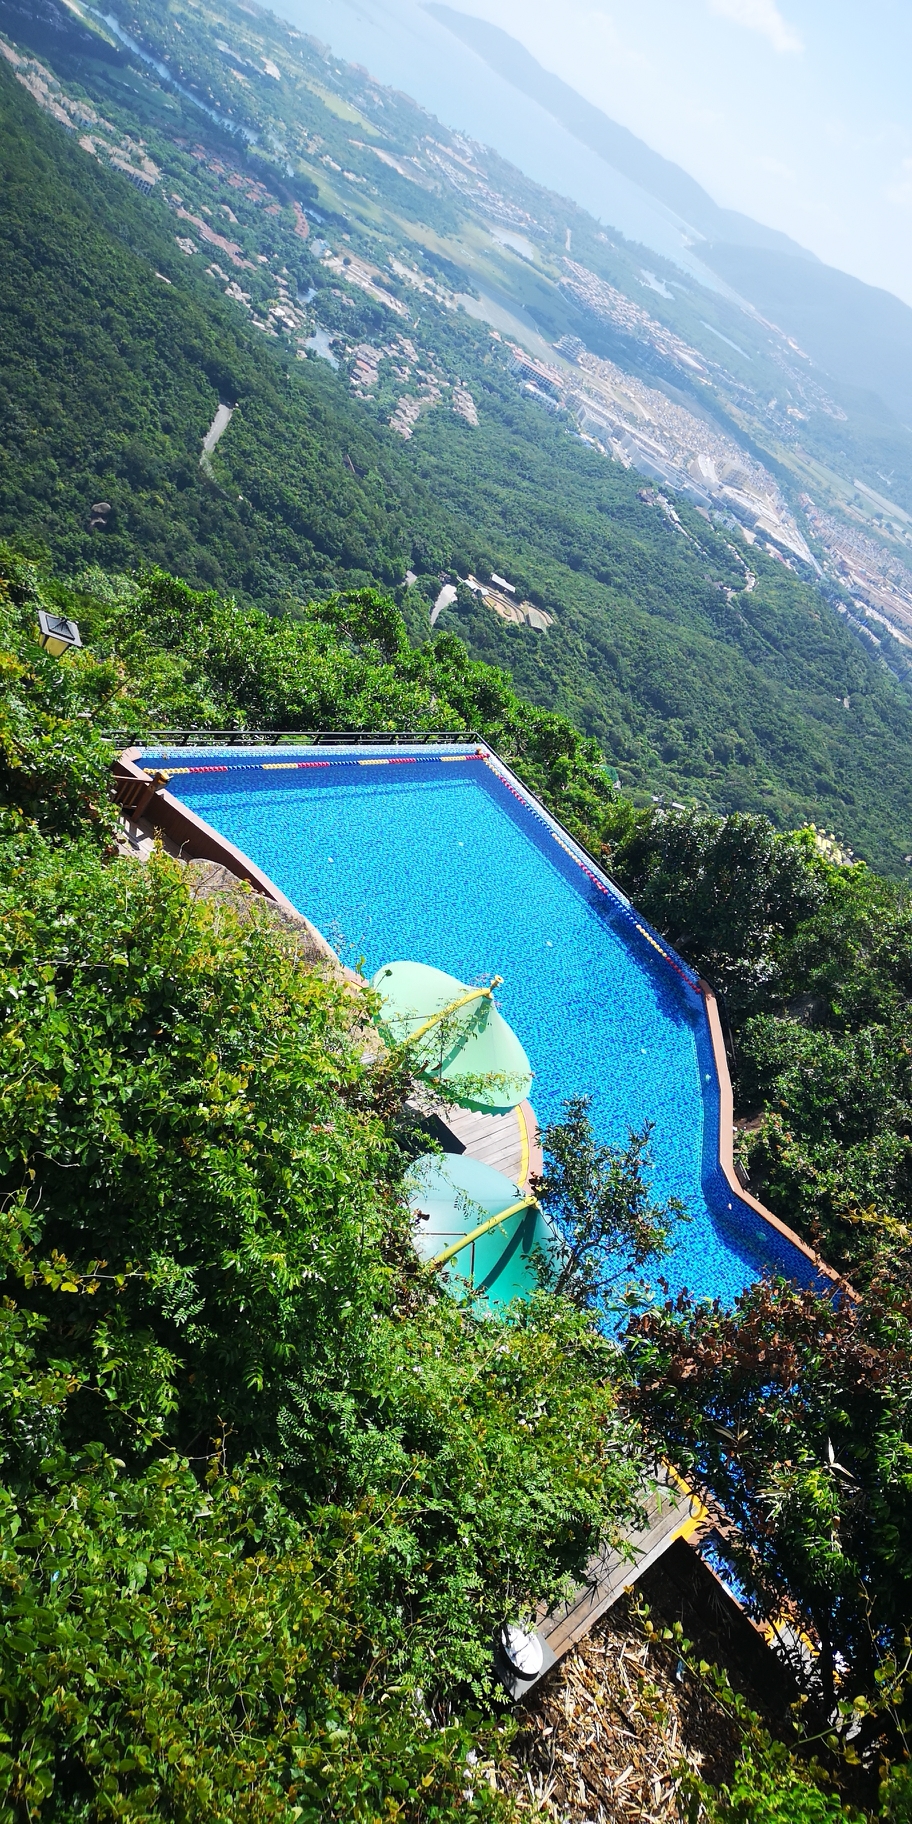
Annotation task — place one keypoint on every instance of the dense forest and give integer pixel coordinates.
(267, 1492)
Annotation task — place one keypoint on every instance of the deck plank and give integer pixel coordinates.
(670, 1513)
(508, 1142)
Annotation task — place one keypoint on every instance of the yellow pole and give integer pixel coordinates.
(473, 994)
(524, 1203)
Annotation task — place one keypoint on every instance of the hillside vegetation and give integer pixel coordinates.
(111, 377)
(813, 956)
(266, 1492)
(111, 374)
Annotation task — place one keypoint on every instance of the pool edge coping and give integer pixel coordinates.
(725, 1149)
(138, 796)
(177, 820)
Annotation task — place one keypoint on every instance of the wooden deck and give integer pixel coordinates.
(509, 1142)
(670, 1513)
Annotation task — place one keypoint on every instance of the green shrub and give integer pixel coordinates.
(54, 768)
(177, 1649)
(769, 1786)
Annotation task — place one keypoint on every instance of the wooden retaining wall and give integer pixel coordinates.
(144, 796)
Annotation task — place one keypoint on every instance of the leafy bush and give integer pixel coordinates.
(599, 1199)
(896, 1794)
(815, 962)
(208, 1270)
(794, 1412)
(769, 1786)
(54, 768)
(176, 1649)
(207, 1263)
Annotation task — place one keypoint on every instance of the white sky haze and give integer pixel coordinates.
(761, 16)
(799, 113)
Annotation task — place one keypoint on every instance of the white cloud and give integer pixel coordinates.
(761, 16)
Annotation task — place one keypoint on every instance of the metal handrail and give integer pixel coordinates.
(304, 737)
(423, 737)
(627, 903)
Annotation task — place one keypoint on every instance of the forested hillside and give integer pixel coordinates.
(811, 954)
(112, 373)
(265, 1491)
(117, 348)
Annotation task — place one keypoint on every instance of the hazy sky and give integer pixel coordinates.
(798, 112)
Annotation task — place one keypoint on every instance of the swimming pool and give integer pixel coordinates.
(439, 856)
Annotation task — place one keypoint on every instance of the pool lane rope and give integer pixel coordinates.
(624, 907)
(609, 892)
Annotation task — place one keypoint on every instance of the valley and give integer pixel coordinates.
(334, 257)
(457, 1214)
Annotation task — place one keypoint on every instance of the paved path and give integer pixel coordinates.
(217, 429)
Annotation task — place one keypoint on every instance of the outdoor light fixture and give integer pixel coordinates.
(56, 634)
(524, 1651)
(520, 1658)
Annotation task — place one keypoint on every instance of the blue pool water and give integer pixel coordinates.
(442, 863)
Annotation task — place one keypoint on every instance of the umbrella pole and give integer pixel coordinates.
(525, 1203)
(473, 994)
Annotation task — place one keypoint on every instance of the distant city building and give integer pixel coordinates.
(526, 367)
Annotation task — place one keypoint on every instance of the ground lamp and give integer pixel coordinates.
(458, 1041)
(477, 1225)
(520, 1658)
(56, 634)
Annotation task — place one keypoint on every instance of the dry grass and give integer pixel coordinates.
(607, 1734)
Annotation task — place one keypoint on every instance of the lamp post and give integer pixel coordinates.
(56, 634)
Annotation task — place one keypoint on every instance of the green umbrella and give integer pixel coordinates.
(458, 1040)
(477, 1226)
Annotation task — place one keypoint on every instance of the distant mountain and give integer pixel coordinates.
(135, 298)
(860, 335)
(616, 144)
